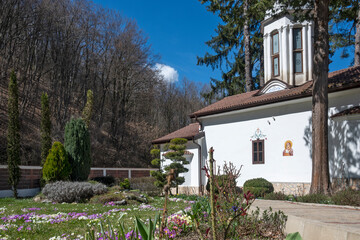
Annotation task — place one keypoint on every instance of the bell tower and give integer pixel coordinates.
(288, 50)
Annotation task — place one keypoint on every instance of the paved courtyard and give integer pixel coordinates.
(317, 221)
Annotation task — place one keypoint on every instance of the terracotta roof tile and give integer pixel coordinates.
(350, 111)
(338, 80)
(188, 132)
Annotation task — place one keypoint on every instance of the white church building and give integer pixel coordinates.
(268, 131)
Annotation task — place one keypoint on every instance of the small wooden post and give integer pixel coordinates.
(170, 177)
(212, 193)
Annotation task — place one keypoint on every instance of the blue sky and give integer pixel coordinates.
(177, 32)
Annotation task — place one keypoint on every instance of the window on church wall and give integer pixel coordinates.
(275, 54)
(258, 151)
(298, 57)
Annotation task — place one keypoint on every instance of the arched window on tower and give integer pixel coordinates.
(275, 59)
(298, 49)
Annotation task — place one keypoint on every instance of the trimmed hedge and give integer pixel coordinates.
(258, 187)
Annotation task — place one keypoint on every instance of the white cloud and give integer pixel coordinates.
(168, 73)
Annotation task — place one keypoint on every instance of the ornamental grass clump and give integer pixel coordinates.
(70, 192)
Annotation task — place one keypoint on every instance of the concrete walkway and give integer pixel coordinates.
(317, 221)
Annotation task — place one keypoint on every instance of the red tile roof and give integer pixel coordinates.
(189, 132)
(338, 80)
(350, 111)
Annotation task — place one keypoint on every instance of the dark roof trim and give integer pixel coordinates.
(271, 101)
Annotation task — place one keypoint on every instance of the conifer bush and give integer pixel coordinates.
(45, 128)
(57, 166)
(13, 135)
(77, 145)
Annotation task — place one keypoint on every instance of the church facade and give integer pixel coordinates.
(268, 131)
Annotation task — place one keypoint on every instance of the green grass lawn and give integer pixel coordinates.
(26, 219)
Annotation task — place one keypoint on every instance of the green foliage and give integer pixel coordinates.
(45, 128)
(125, 184)
(220, 181)
(228, 44)
(147, 232)
(155, 153)
(314, 198)
(160, 177)
(258, 186)
(347, 197)
(176, 155)
(77, 145)
(88, 109)
(276, 196)
(57, 166)
(293, 236)
(13, 135)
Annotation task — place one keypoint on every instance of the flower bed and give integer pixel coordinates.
(25, 219)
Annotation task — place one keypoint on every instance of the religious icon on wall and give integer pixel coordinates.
(288, 151)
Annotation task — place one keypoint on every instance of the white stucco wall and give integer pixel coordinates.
(230, 135)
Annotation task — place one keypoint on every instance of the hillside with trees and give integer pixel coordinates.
(65, 48)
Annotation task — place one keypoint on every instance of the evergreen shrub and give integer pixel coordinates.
(70, 192)
(57, 166)
(45, 128)
(125, 184)
(77, 145)
(13, 134)
(258, 187)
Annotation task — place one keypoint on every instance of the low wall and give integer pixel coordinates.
(29, 184)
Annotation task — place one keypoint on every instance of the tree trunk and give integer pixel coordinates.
(320, 181)
(357, 40)
(248, 80)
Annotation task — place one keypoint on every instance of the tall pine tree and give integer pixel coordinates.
(237, 46)
(45, 128)
(320, 181)
(13, 135)
(318, 12)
